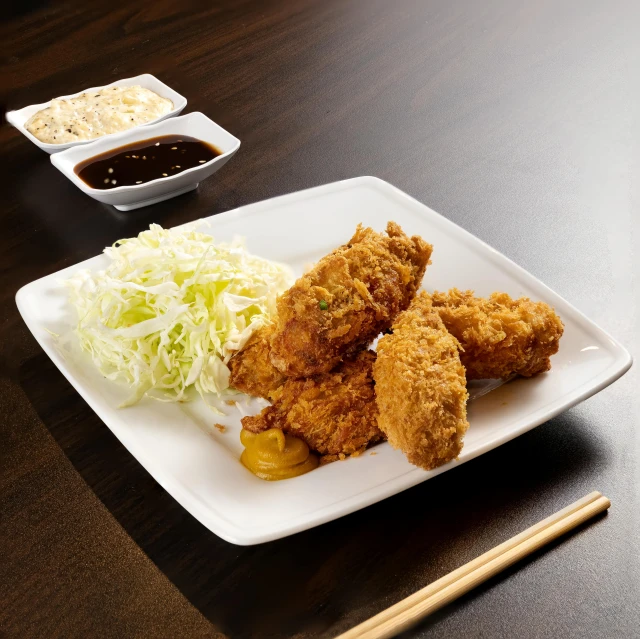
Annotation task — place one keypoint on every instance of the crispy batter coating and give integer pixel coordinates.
(334, 413)
(500, 336)
(251, 369)
(421, 388)
(347, 299)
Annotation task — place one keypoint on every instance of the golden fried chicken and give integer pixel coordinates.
(347, 299)
(334, 413)
(251, 369)
(421, 388)
(500, 336)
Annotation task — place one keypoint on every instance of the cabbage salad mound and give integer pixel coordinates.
(171, 309)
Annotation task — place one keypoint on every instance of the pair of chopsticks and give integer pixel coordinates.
(416, 607)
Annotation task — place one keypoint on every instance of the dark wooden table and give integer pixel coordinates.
(520, 121)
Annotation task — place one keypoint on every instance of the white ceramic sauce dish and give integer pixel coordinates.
(125, 198)
(20, 117)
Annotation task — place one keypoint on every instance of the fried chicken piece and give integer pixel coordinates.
(334, 413)
(347, 299)
(421, 388)
(251, 369)
(500, 336)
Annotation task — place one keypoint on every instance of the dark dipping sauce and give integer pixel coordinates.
(144, 161)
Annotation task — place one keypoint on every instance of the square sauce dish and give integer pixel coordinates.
(20, 117)
(166, 136)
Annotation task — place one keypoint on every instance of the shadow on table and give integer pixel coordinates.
(439, 618)
(325, 580)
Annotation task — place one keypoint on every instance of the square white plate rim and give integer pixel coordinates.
(19, 117)
(227, 529)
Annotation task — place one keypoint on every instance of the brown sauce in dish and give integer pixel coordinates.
(144, 161)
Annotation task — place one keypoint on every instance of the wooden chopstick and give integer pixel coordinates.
(409, 611)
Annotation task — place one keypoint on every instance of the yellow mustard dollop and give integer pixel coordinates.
(272, 455)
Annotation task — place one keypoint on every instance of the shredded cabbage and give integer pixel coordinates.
(171, 309)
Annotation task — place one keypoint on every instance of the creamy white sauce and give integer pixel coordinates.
(97, 113)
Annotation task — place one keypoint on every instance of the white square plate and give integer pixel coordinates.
(199, 466)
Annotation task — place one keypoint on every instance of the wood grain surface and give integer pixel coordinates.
(517, 120)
